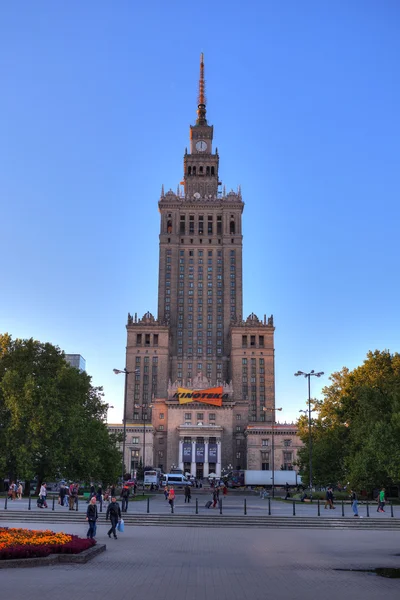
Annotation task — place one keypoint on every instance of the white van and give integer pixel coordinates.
(176, 480)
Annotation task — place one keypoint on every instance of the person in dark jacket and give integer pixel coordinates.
(125, 498)
(114, 514)
(188, 493)
(91, 517)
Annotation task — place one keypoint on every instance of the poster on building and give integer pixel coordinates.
(212, 453)
(187, 452)
(199, 453)
(213, 396)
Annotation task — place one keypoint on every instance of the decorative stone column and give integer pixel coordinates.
(180, 456)
(206, 467)
(218, 465)
(193, 465)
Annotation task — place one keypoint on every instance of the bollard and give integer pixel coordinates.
(5, 503)
(126, 505)
(148, 505)
(367, 509)
(220, 507)
(197, 506)
(76, 501)
(294, 508)
(342, 508)
(319, 512)
(172, 506)
(54, 499)
(391, 509)
(245, 507)
(101, 504)
(29, 502)
(269, 505)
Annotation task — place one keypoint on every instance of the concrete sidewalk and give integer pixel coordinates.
(199, 564)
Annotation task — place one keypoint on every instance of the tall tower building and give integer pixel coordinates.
(199, 371)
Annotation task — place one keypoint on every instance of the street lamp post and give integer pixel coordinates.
(308, 376)
(144, 419)
(118, 372)
(265, 408)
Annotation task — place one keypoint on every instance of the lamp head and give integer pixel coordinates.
(299, 373)
(117, 371)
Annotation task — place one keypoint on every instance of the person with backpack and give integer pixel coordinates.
(91, 517)
(42, 495)
(114, 514)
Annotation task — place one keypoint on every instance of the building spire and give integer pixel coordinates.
(201, 106)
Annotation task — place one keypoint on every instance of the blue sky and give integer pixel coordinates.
(96, 102)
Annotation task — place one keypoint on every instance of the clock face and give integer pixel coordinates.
(201, 146)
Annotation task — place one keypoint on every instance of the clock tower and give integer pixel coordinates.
(201, 165)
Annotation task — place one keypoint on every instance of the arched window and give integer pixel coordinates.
(194, 170)
(201, 169)
(212, 171)
(189, 170)
(232, 224)
(207, 170)
(169, 226)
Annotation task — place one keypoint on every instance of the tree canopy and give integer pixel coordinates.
(52, 420)
(356, 432)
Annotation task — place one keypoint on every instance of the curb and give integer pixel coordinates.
(52, 559)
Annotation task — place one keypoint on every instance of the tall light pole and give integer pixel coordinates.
(308, 376)
(265, 409)
(144, 418)
(118, 372)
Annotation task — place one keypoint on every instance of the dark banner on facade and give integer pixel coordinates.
(199, 453)
(212, 453)
(187, 452)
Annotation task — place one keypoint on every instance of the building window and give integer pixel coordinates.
(136, 416)
(161, 453)
(135, 440)
(188, 416)
(244, 341)
(139, 339)
(238, 417)
(212, 417)
(161, 416)
(238, 454)
(264, 443)
(287, 443)
(200, 416)
(238, 428)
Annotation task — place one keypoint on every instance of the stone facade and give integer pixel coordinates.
(200, 339)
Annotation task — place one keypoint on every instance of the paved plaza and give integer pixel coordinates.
(202, 563)
(232, 504)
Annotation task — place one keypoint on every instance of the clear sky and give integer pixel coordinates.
(95, 107)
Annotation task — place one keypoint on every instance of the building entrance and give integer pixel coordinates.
(199, 471)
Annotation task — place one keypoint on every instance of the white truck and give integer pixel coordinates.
(281, 478)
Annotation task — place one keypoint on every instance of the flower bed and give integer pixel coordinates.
(28, 543)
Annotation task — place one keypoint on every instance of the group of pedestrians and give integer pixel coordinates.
(113, 514)
(15, 490)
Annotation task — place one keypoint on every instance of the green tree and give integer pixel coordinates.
(52, 420)
(356, 433)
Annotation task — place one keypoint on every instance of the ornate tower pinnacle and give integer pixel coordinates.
(201, 107)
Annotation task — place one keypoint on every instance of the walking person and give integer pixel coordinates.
(188, 493)
(171, 498)
(166, 492)
(91, 517)
(215, 498)
(329, 499)
(125, 497)
(42, 495)
(381, 500)
(19, 491)
(354, 503)
(114, 514)
(61, 495)
(73, 494)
